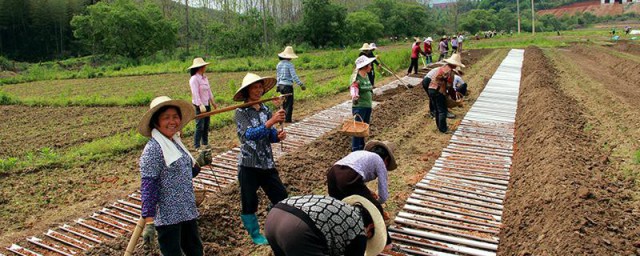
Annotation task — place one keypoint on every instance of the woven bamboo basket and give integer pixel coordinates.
(351, 127)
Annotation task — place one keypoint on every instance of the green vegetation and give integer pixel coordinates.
(125, 28)
(96, 150)
(637, 157)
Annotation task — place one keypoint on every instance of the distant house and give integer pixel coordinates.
(618, 1)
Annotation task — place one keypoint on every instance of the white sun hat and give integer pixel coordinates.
(363, 61)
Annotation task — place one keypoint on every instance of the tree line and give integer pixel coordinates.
(35, 30)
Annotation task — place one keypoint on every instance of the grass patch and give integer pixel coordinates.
(637, 157)
(97, 150)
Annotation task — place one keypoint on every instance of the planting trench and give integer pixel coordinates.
(562, 199)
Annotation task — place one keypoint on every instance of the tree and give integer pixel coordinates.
(125, 28)
(324, 22)
(479, 20)
(363, 26)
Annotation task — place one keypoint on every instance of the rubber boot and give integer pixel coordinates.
(250, 222)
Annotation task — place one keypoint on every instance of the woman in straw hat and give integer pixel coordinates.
(415, 54)
(167, 167)
(348, 176)
(322, 225)
(367, 50)
(443, 47)
(437, 89)
(256, 166)
(286, 76)
(202, 99)
(361, 96)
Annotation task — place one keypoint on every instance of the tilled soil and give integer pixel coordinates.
(607, 68)
(400, 117)
(562, 198)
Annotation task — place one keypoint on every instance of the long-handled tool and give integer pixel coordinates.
(226, 109)
(134, 237)
(424, 63)
(385, 67)
(284, 99)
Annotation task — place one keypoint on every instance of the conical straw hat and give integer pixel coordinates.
(288, 53)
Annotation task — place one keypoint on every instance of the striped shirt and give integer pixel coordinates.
(286, 73)
(255, 137)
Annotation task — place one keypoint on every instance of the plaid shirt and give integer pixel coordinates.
(286, 73)
(255, 137)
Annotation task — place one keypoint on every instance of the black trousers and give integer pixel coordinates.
(251, 179)
(440, 108)
(288, 102)
(425, 85)
(414, 65)
(184, 237)
(342, 181)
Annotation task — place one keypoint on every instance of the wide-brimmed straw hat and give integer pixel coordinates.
(455, 60)
(417, 39)
(375, 244)
(363, 61)
(429, 39)
(366, 47)
(251, 78)
(288, 53)
(186, 109)
(198, 62)
(373, 46)
(388, 146)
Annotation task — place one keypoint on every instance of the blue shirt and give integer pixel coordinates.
(175, 201)
(286, 73)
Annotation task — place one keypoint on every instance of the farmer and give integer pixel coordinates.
(166, 167)
(367, 50)
(286, 74)
(415, 54)
(459, 86)
(460, 40)
(202, 99)
(443, 48)
(318, 225)
(428, 50)
(361, 97)
(454, 44)
(256, 167)
(348, 176)
(437, 89)
(425, 85)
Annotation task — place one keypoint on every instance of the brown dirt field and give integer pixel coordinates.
(27, 202)
(566, 200)
(606, 68)
(27, 129)
(627, 47)
(401, 118)
(594, 7)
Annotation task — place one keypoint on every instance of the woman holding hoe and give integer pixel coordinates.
(256, 166)
(167, 167)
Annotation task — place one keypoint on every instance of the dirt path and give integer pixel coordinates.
(564, 196)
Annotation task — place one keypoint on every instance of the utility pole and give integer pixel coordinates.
(264, 23)
(533, 19)
(186, 5)
(518, 6)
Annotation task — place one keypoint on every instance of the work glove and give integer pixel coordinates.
(203, 109)
(204, 157)
(302, 87)
(149, 236)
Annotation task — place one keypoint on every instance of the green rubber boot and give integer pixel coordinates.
(250, 222)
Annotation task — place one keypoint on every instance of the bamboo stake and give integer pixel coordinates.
(218, 111)
(134, 237)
